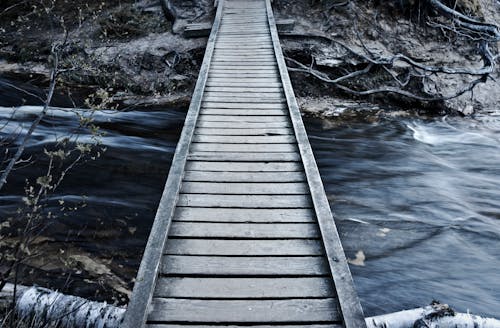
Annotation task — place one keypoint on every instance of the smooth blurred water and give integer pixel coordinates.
(419, 198)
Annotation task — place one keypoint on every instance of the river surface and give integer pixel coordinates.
(417, 201)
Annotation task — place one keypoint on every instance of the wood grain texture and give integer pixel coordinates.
(235, 188)
(244, 247)
(243, 166)
(244, 311)
(245, 288)
(239, 326)
(244, 148)
(243, 132)
(244, 230)
(245, 201)
(267, 177)
(201, 214)
(244, 157)
(281, 266)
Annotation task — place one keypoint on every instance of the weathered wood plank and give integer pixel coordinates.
(243, 132)
(248, 71)
(249, 90)
(243, 215)
(244, 80)
(238, 75)
(244, 201)
(243, 148)
(246, 102)
(244, 166)
(244, 230)
(281, 266)
(241, 84)
(244, 247)
(268, 177)
(264, 104)
(243, 118)
(250, 60)
(253, 326)
(243, 125)
(208, 166)
(245, 288)
(244, 112)
(235, 188)
(245, 139)
(244, 157)
(247, 311)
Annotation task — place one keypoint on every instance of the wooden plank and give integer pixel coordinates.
(289, 188)
(244, 311)
(269, 177)
(243, 84)
(248, 90)
(243, 132)
(227, 104)
(255, 38)
(245, 247)
(238, 326)
(245, 201)
(232, 50)
(245, 71)
(337, 262)
(232, 80)
(249, 62)
(245, 139)
(243, 68)
(281, 266)
(243, 125)
(244, 157)
(243, 118)
(244, 112)
(243, 215)
(244, 166)
(237, 75)
(252, 93)
(245, 288)
(236, 102)
(243, 148)
(244, 230)
(244, 48)
(137, 310)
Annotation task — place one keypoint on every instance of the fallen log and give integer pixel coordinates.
(41, 305)
(436, 315)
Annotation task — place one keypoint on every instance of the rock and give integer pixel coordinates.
(468, 110)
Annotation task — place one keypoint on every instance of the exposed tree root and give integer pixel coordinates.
(169, 10)
(400, 76)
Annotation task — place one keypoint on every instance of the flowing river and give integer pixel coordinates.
(416, 201)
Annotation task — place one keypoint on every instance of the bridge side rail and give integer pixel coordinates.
(136, 314)
(348, 299)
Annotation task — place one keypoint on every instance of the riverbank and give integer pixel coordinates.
(140, 59)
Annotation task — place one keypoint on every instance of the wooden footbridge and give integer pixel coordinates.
(244, 235)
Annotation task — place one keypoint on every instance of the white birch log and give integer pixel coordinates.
(38, 304)
(432, 316)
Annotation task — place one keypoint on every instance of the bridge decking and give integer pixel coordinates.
(244, 235)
